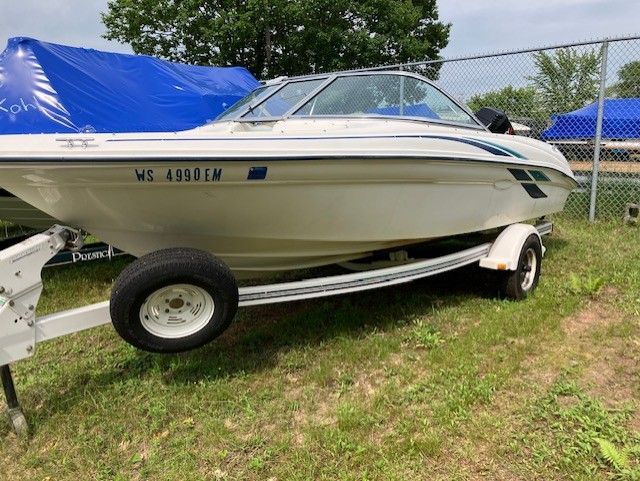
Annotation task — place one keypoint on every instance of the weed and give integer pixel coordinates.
(589, 285)
(425, 336)
(620, 459)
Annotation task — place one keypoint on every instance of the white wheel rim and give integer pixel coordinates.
(528, 269)
(176, 311)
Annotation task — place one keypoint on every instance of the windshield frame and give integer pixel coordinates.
(312, 93)
(256, 100)
(328, 80)
(260, 99)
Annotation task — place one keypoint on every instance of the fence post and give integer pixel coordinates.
(598, 139)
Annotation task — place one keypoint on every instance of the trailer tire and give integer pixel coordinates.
(173, 300)
(518, 284)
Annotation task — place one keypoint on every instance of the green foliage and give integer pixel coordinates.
(620, 459)
(628, 84)
(515, 102)
(566, 80)
(280, 37)
(426, 336)
(585, 284)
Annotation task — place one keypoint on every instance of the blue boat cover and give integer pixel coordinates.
(621, 120)
(50, 88)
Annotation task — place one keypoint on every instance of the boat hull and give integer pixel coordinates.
(274, 215)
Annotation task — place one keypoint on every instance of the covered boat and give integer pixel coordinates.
(47, 88)
(620, 121)
(56, 89)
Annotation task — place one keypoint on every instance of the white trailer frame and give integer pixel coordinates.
(21, 286)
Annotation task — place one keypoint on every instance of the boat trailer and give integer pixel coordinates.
(21, 331)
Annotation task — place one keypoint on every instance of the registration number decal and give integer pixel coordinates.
(195, 174)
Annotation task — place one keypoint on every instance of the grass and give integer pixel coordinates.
(433, 380)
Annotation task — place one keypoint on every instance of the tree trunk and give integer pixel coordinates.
(267, 47)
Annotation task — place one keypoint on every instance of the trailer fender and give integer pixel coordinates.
(505, 251)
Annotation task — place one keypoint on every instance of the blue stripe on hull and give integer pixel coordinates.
(490, 147)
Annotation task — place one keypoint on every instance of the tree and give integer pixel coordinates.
(628, 84)
(566, 80)
(280, 37)
(515, 102)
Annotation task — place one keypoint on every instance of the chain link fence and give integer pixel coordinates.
(584, 98)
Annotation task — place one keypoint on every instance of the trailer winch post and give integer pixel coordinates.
(20, 289)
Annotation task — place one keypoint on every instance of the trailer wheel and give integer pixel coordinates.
(520, 283)
(173, 300)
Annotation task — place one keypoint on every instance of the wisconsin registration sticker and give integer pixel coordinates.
(257, 173)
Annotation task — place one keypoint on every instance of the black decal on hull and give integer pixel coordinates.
(534, 191)
(520, 174)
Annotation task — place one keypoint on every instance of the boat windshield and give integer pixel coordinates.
(260, 92)
(384, 95)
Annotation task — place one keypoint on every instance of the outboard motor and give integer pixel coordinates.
(495, 120)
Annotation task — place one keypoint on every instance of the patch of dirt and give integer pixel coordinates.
(368, 383)
(542, 367)
(634, 422)
(567, 401)
(487, 466)
(322, 413)
(597, 313)
(612, 366)
(612, 376)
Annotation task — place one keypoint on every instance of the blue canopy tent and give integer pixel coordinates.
(621, 121)
(50, 88)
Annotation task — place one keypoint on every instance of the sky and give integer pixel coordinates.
(478, 26)
(481, 26)
(70, 22)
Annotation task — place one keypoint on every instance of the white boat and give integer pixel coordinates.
(302, 172)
